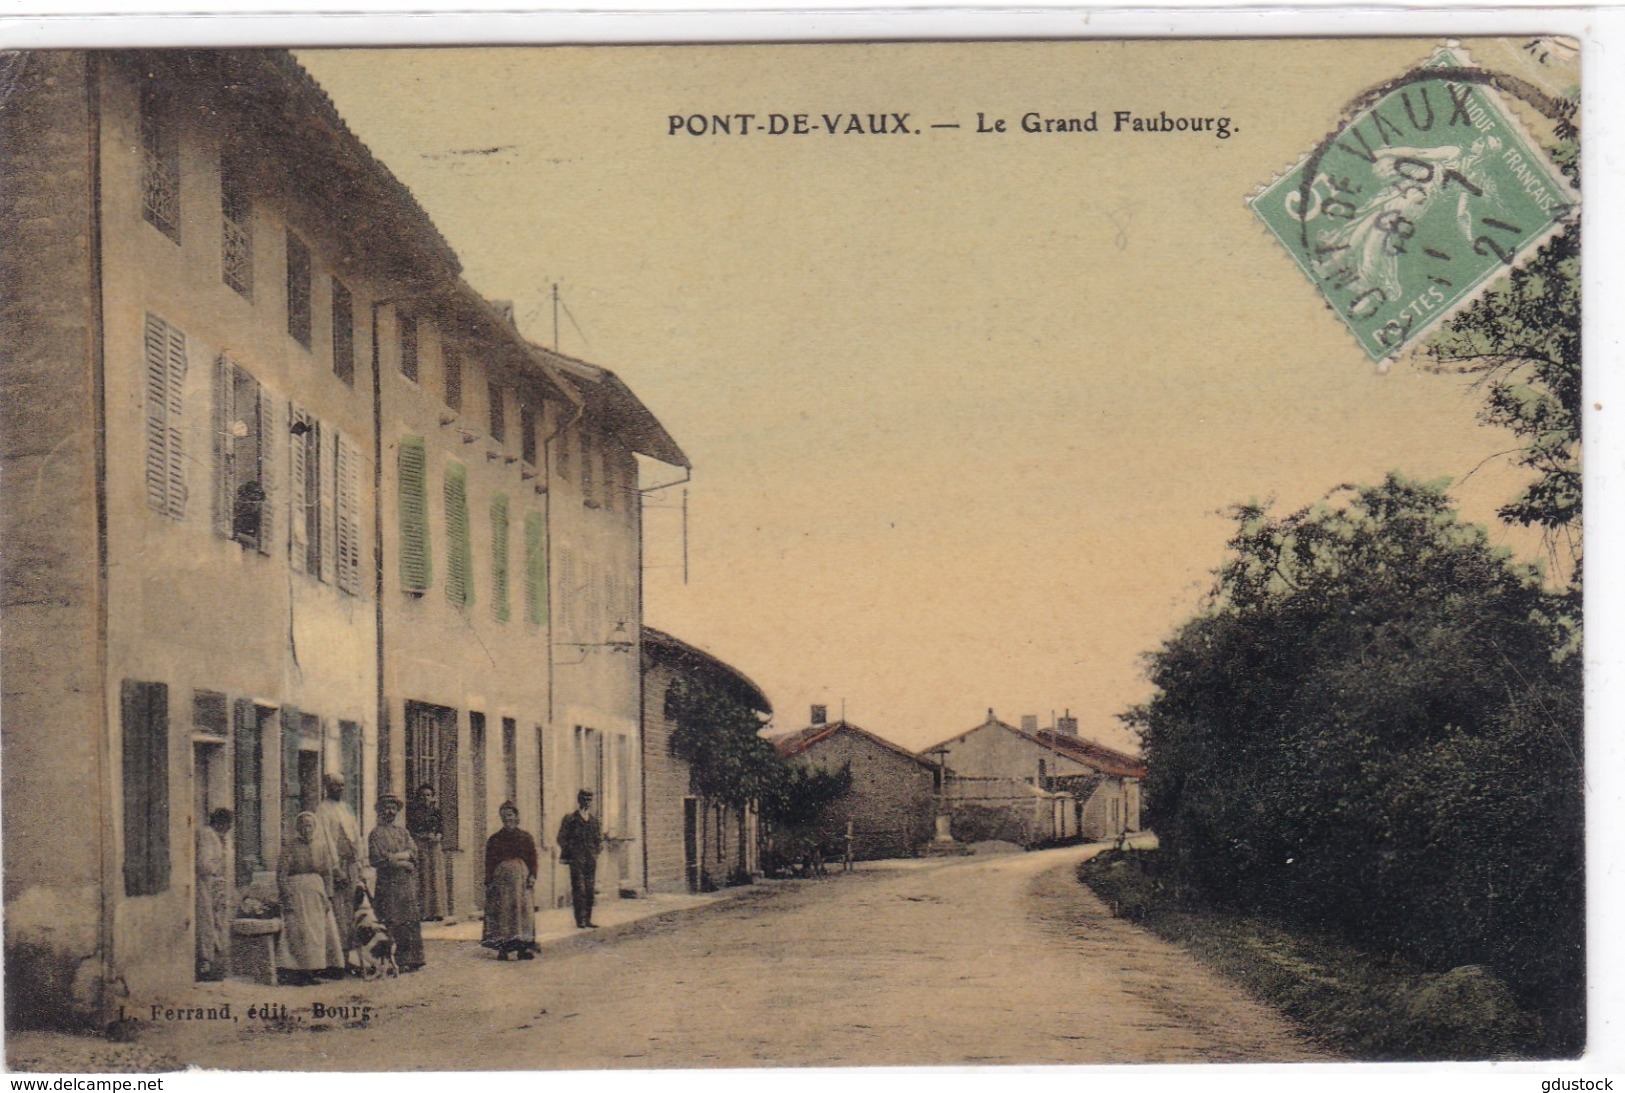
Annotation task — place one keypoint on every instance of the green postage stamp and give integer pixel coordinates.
(1426, 191)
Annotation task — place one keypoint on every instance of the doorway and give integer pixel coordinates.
(691, 843)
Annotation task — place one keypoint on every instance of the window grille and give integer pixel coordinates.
(236, 230)
(343, 333)
(431, 757)
(166, 379)
(160, 166)
(248, 781)
(298, 290)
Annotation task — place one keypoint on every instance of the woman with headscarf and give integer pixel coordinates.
(310, 936)
(395, 856)
(510, 880)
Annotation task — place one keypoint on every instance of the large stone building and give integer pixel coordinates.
(282, 496)
(889, 810)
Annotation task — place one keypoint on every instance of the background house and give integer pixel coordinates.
(1029, 785)
(891, 806)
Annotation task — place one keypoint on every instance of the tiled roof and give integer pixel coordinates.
(1087, 752)
(659, 646)
(791, 744)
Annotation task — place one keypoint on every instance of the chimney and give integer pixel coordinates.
(820, 715)
(1029, 723)
(1067, 725)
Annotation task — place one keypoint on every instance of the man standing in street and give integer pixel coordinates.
(337, 826)
(581, 837)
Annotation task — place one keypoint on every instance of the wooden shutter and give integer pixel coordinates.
(535, 569)
(459, 552)
(298, 521)
(291, 788)
(347, 522)
(416, 570)
(446, 754)
(248, 778)
(225, 445)
(157, 390)
(327, 508)
(145, 723)
(264, 447)
(499, 557)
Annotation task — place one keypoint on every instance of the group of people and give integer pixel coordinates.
(321, 884)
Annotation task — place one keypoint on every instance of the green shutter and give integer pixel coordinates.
(499, 557)
(459, 552)
(417, 572)
(535, 569)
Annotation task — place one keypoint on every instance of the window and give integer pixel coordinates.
(499, 557)
(166, 377)
(454, 377)
(527, 434)
(416, 570)
(242, 431)
(566, 442)
(499, 421)
(535, 569)
(236, 230)
(145, 722)
(510, 758)
(343, 333)
(459, 552)
(407, 330)
(347, 522)
(298, 290)
(160, 166)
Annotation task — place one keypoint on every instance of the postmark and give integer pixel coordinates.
(1428, 190)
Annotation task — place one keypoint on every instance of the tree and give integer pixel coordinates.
(1521, 344)
(1375, 728)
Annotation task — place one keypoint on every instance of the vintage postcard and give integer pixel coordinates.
(792, 555)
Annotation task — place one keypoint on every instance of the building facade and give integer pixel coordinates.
(282, 497)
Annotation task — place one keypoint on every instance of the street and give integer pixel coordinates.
(989, 960)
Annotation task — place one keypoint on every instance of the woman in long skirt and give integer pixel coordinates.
(395, 856)
(510, 881)
(310, 936)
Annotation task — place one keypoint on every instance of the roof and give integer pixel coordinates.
(1076, 748)
(661, 648)
(610, 402)
(791, 744)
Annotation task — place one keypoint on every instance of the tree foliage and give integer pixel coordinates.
(1521, 344)
(717, 736)
(1375, 728)
(803, 794)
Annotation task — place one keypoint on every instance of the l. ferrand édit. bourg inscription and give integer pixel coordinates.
(904, 123)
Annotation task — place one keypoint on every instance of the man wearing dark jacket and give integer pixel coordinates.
(581, 837)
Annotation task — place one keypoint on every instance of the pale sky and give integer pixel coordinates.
(963, 408)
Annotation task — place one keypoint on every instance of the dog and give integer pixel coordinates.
(371, 942)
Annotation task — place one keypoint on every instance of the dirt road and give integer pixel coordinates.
(986, 960)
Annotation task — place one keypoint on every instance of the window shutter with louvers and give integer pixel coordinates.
(416, 571)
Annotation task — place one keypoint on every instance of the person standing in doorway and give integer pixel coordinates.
(427, 827)
(581, 838)
(213, 897)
